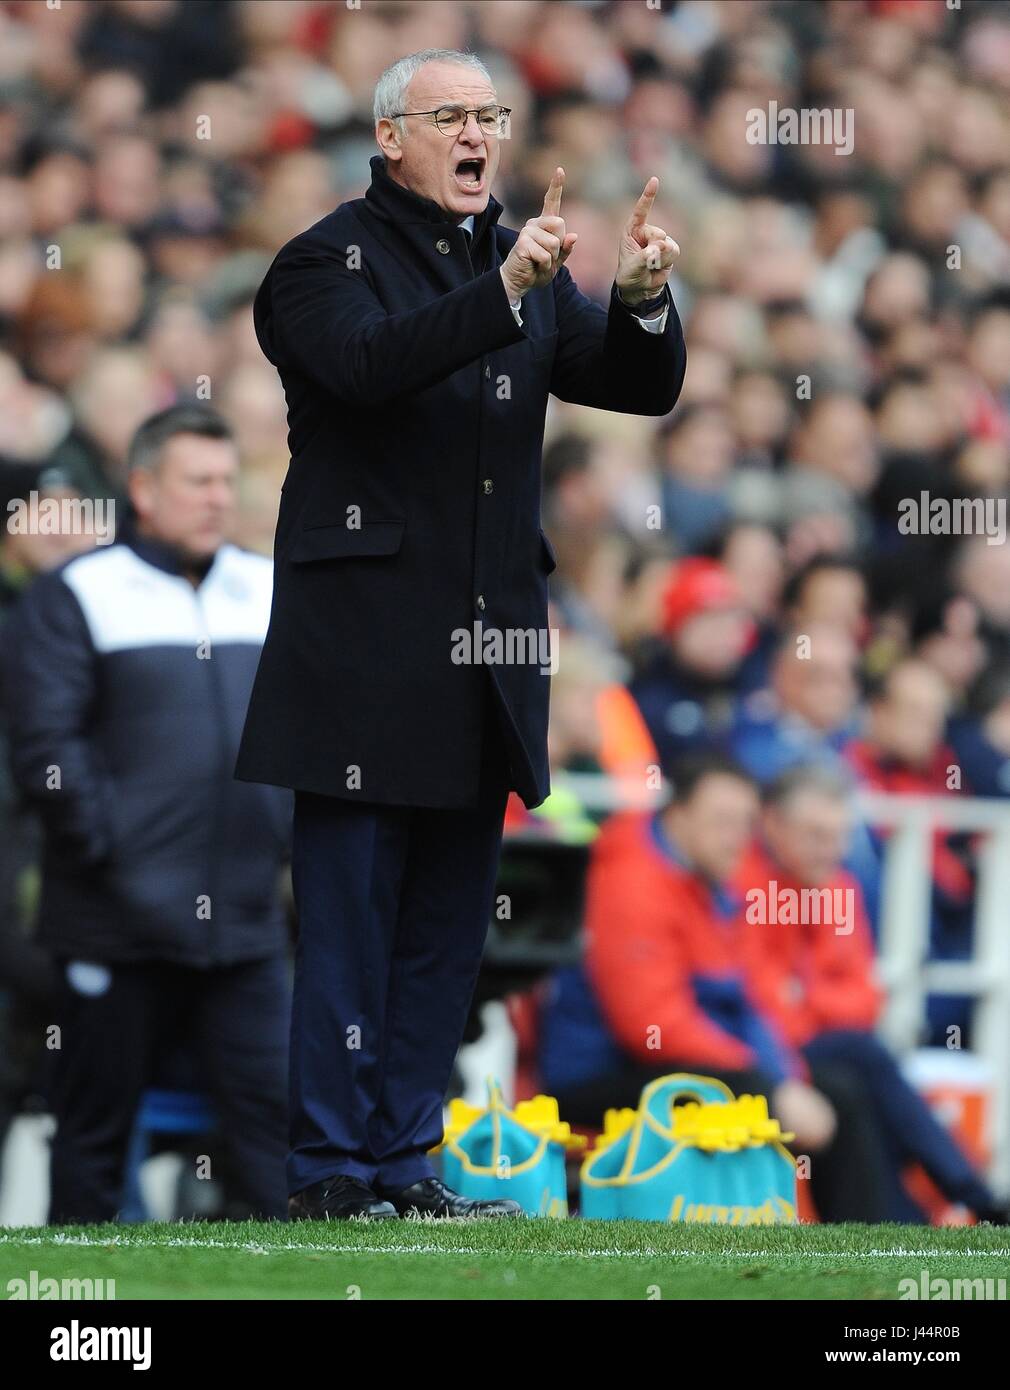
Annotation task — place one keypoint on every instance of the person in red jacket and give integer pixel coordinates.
(808, 945)
(664, 989)
(904, 752)
(808, 959)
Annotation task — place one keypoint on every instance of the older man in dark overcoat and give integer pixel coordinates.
(403, 686)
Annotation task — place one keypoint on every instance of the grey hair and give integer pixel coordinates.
(820, 778)
(391, 88)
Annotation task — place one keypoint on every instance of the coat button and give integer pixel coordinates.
(443, 247)
(480, 602)
(487, 372)
(488, 487)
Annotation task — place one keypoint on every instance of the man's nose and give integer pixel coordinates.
(473, 135)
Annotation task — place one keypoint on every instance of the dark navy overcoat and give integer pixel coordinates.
(411, 508)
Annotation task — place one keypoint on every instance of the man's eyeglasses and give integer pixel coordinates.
(451, 120)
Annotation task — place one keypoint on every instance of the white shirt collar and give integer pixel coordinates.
(467, 223)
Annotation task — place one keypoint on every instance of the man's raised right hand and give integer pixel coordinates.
(542, 246)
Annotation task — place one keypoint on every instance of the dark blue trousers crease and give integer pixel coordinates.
(393, 910)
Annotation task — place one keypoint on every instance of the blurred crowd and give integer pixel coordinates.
(738, 580)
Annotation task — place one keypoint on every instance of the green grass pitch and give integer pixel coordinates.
(514, 1260)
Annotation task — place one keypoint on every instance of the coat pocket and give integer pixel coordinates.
(345, 542)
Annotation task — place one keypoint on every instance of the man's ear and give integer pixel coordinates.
(388, 137)
(139, 483)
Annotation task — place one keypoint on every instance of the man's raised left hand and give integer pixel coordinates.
(646, 254)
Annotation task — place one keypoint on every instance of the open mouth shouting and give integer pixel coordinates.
(469, 173)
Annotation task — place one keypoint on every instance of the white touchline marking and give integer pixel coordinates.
(256, 1248)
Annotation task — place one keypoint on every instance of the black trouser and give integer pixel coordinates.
(393, 911)
(848, 1180)
(112, 1020)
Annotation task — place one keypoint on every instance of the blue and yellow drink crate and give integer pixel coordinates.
(717, 1159)
(491, 1151)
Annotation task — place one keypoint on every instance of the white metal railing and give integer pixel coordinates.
(903, 945)
(906, 973)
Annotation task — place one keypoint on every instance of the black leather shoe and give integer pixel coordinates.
(339, 1199)
(431, 1197)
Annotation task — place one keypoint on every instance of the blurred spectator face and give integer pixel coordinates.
(582, 129)
(820, 687)
(114, 283)
(126, 181)
(700, 449)
(641, 606)
(984, 464)
(896, 292)
(760, 411)
(794, 337)
(426, 161)
(725, 143)
(995, 205)
(575, 51)
(592, 260)
(715, 825)
(782, 270)
(978, 133)
(956, 651)
(235, 115)
(907, 720)
(656, 113)
(836, 438)
(709, 379)
(723, 322)
(58, 191)
(109, 102)
(934, 203)
(819, 532)
(955, 392)
(704, 618)
(255, 409)
(753, 557)
(56, 329)
(113, 397)
(578, 499)
(989, 349)
(188, 498)
(574, 728)
(297, 191)
(38, 553)
(713, 644)
(909, 418)
(914, 344)
(833, 598)
(598, 575)
(721, 235)
(839, 214)
(575, 733)
(983, 575)
(180, 341)
(187, 257)
(808, 834)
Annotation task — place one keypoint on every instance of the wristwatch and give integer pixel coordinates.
(647, 306)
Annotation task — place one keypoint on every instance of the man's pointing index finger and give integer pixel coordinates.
(643, 207)
(552, 198)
